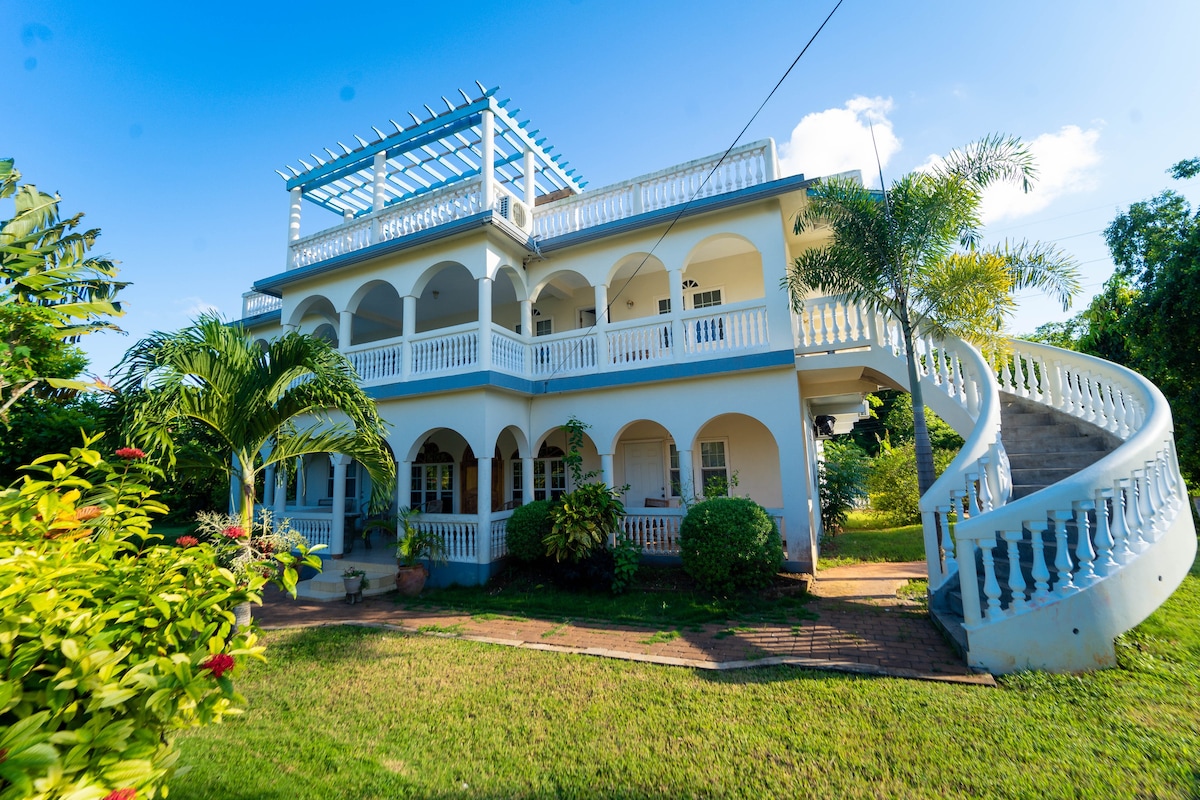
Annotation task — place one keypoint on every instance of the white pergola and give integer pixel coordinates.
(478, 137)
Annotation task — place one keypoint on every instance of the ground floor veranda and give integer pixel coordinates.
(663, 445)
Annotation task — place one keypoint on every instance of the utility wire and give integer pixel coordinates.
(683, 208)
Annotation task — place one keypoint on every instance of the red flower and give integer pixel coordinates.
(131, 453)
(234, 532)
(187, 541)
(122, 794)
(218, 664)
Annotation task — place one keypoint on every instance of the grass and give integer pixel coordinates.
(362, 713)
(867, 537)
(664, 599)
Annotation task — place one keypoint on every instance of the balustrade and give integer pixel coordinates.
(458, 533)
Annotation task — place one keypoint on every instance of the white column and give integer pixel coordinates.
(403, 484)
(485, 323)
(408, 325)
(488, 165)
(345, 328)
(378, 195)
(483, 540)
(301, 481)
(530, 183)
(268, 499)
(348, 215)
(527, 479)
(675, 281)
(601, 332)
(281, 491)
(606, 469)
(527, 318)
(293, 224)
(337, 533)
(235, 486)
(687, 476)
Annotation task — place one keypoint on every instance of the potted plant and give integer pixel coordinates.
(414, 545)
(354, 581)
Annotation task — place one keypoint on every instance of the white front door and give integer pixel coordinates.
(644, 472)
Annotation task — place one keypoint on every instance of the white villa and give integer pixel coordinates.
(485, 297)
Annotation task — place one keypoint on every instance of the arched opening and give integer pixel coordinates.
(551, 476)
(565, 301)
(328, 332)
(312, 314)
(378, 315)
(735, 454)
(722, 269)
(638, 288)
(507, 293)
(645, 459)
(450, 297)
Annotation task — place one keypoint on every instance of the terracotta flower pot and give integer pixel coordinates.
(411, 580)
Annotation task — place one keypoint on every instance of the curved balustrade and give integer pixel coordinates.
(1114, 510)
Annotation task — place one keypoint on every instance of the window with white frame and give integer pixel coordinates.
(706, 299)
(549, 474)
(708, 330)
(664, 305)
(517, 484)
(714, 468)
(543, 327)
(433, 481)
(674, 478)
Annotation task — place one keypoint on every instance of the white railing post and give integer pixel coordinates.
(295, 197)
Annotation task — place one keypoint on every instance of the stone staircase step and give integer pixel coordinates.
(328, 584)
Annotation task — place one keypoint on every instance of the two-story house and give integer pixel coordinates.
(485, 296)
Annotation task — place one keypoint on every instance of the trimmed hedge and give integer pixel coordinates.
(527, 529)
(729, 544)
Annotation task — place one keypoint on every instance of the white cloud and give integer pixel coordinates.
(193, 307)
(1065, 162)
(839, 139)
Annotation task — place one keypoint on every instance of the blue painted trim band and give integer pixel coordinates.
(579, 383)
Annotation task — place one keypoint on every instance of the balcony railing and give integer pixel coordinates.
(742, 168)
(734, 329)
(255, 303)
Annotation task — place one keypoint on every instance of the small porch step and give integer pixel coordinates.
(328, 584)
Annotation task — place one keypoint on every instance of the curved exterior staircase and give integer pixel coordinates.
(1063, 521)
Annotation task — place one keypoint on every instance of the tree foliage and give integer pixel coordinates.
(51, 292)
(841, 481)
(109, 643)
(263, 406)
(913, 253)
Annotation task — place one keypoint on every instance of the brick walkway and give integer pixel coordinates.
(861, 627)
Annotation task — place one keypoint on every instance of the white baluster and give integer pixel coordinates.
(1016, 581)
(991, 587)
(1006, 377)
(1062, 554)
(1120, 523)
(1085, 556)
(1105, 565)
(1040, 572)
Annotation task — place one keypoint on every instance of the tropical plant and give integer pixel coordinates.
(51, 292)
(842, 482)
(265, 406)
(729, 544)
(912, 252)
(110, 642)
(413, 542)
(583, 519)
(258, 550)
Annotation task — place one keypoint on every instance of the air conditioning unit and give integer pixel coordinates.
(515, 212)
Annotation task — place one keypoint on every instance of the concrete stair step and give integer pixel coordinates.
(328, 585)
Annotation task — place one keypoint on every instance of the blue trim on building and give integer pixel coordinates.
(275, 316)
(579, 383)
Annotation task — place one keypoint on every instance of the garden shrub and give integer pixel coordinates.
(892, 484)
(583, 519)
(108, 644)
(842, 481)
(527, 529)
(729, 544)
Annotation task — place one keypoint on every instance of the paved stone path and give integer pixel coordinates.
(862, 627)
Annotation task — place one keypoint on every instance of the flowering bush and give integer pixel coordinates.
(108, 641)
(260, 551)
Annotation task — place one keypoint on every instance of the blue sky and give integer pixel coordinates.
(165, 122)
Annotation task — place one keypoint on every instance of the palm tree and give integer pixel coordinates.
(912, 252)
(267, 406)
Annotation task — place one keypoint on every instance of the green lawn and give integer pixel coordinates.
(866, 538)
(360, 713)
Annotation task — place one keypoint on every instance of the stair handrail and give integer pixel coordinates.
(978, 479)
(1135, 492)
